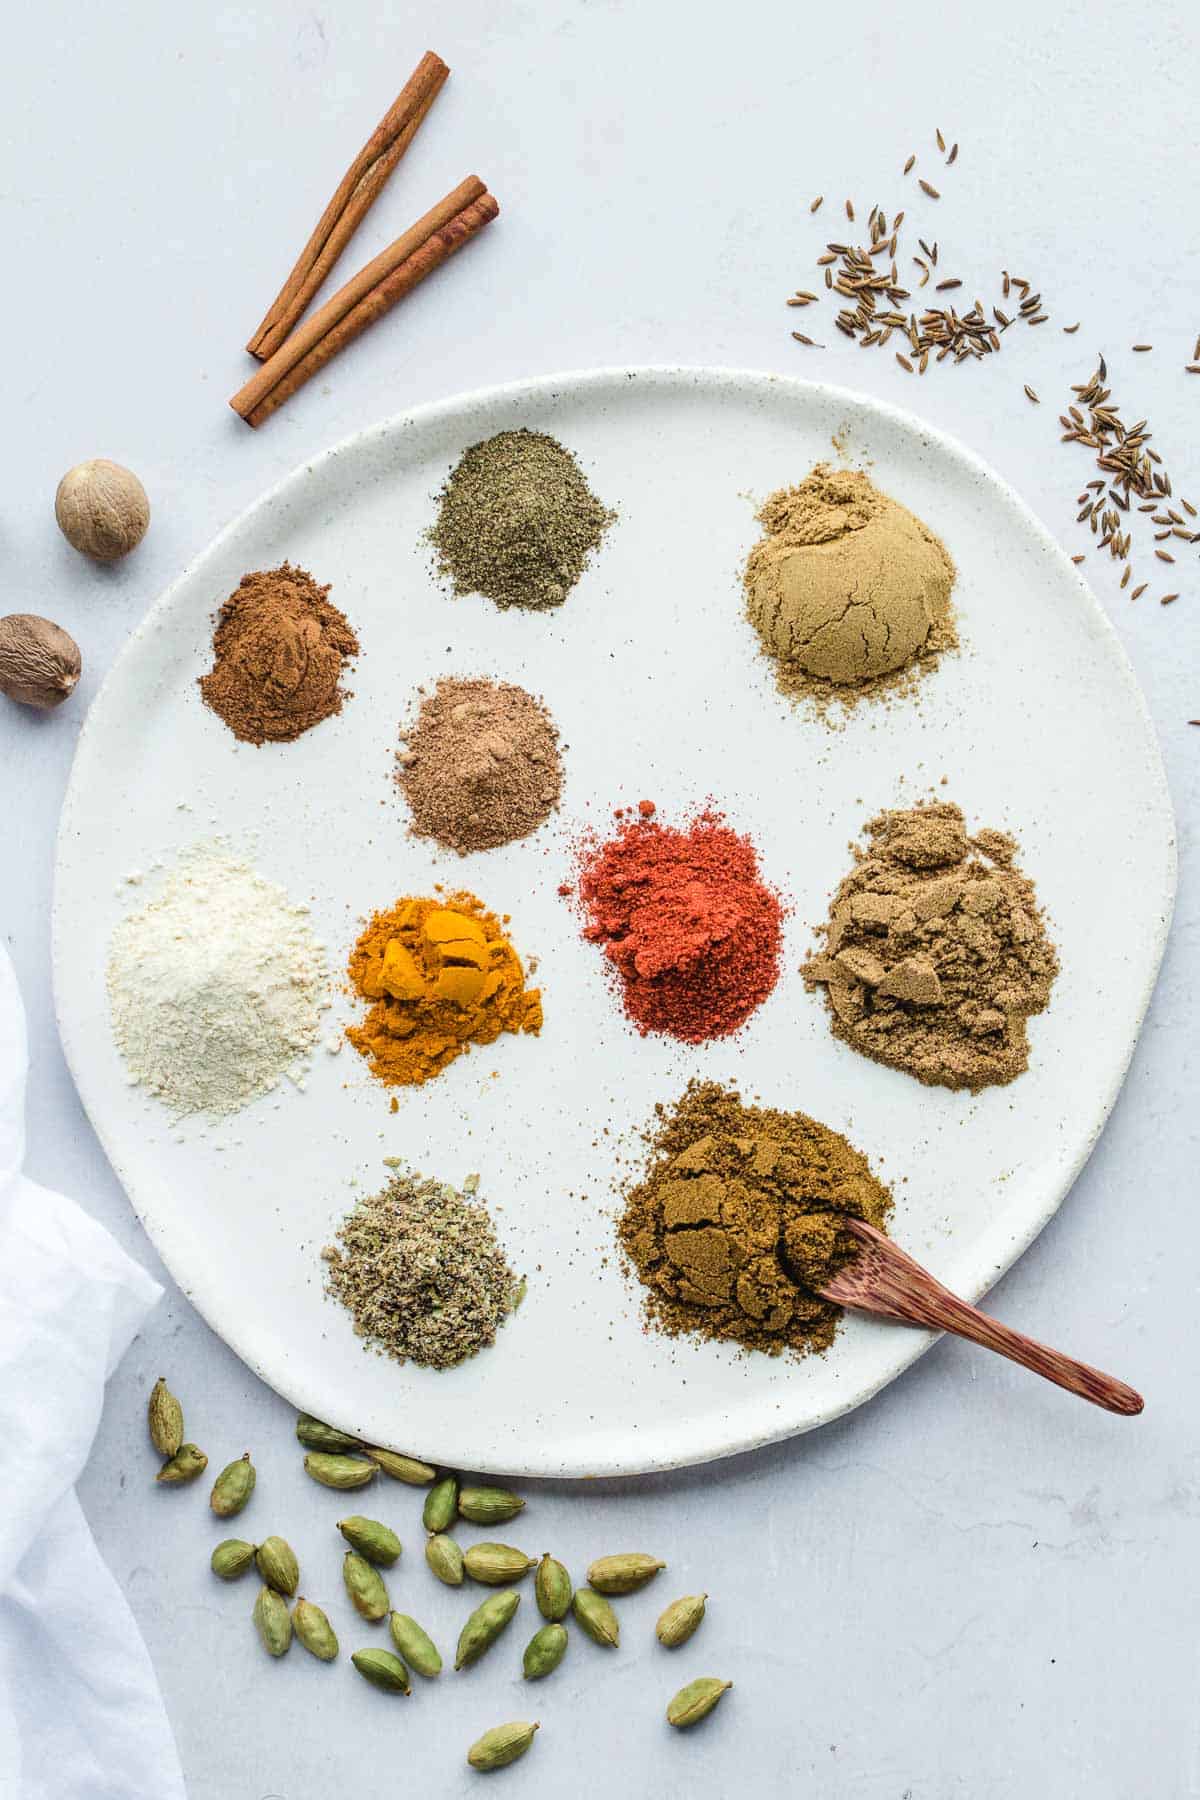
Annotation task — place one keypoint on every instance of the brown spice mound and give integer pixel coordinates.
(481, 766)
(849, 592)
(738, 1208)
(936, 952)
(278, 651)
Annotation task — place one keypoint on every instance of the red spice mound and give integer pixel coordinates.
(687, 922)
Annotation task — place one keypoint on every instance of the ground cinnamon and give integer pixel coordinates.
(279, 649)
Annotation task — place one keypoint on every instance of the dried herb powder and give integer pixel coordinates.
(736, 1221)
(420, 1271)
(935, 953)
(517, 521)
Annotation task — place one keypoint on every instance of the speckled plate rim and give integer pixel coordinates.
(910, 1344)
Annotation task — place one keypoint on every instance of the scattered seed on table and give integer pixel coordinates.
(1143, 346)
(1079, 559)
(941, 142)
(1032, 395)
(954, 282)
(928, 189)
(904, 362)
(1164, 556)
(816, 203)
(911, 164)
(850, 211)
(953, 155)
(1068, 329)
(1139, 590)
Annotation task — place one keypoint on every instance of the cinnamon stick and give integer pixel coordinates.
(355, 195)
(365, 298)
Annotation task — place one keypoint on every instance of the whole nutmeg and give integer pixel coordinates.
(102, 509)
(39, 661)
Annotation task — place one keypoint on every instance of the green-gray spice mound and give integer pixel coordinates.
(421, 1273)
(517, 521)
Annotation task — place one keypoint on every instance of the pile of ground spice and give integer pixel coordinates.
(517, 521)
(439, 975)
(481, 766)
(686, 921)
(421, 1273)
(735, 1223)
(848, 591)
(278, 652)
(935, 952)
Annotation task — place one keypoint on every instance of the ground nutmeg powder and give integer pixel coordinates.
(736, 1221)
(278, 653)
(688, 925)
(480, 767)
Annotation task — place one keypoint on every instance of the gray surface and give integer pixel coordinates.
(973, 1587)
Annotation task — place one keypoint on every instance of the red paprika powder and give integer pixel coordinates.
(687, 922)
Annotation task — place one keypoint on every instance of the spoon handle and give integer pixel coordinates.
(883, 1279)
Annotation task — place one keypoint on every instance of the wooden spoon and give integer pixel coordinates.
(883, 1279)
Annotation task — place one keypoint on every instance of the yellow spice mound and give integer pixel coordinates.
(440, 976)
(847, 587)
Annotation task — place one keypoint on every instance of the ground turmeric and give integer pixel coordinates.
(440, 975)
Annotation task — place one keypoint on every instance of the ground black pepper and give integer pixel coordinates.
(517, 521)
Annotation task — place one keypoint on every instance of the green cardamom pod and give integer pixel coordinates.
(445, 1559)
(314, 1630)
(188, 1462)
(553, 1589)
(497, 1564)
(502, 1745)
(364, 1586)
(415, 1645)
(272, 1621)
(382, 1670)
(336, 1471)
(378, 1543)
(441, 1504)
(164, 1415)
(623, 1574)
(695, 1701)
(484, 1626)
(544, 1651)
(402, 1468)
(314, 1434)
(596, 1617)
(677, 1622)
(232, 1558)
(488, 1505)
(233, 1487)
(277, 1565)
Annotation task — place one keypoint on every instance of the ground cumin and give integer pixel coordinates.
(439, 976)
(848, 591)
(278, 651)
(735, 1222)
(935, 951)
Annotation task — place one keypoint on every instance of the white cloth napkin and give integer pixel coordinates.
(81, 1715)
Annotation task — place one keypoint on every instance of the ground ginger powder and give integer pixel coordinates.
(736, 1221)
(848, 591)
(440, 975)
(935, 953)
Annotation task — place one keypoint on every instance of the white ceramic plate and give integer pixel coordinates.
(653, 676)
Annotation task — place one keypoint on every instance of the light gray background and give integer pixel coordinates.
(973, 1587)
